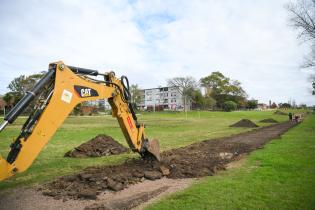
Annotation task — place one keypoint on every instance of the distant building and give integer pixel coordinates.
(161, 98)
(262, 106)
(152, 99)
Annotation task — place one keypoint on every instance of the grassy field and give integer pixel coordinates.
(172, 129)
(281, 176)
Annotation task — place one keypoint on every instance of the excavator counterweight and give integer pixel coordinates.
(53, 98)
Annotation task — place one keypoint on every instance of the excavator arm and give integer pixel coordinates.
(53, 98)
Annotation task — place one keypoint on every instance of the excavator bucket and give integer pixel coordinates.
(4, 169)
(154, 148)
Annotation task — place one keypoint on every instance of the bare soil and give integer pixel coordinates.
(269, 120)
(244, 123)
(101, 145)
(197, 160)
(136, 182)
(135, 196)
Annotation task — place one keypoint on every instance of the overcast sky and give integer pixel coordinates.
(151, 41)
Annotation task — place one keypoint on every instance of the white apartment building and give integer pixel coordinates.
(161, 98)
(154, 99)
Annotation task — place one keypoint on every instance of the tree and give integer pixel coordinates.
(215, 83)
(230, 106)
(9, 99)
(251, 104)
(185, 86)
(21, 84)
(223, 89)
(303, 19)
(202, 102)
(135, 94)
(285, 105)
(198, 99)
(274, 105)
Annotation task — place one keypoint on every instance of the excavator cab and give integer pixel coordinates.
(56, 94)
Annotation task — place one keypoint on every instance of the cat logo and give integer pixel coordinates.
(85, 92)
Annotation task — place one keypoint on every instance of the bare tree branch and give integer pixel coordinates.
(303, 18)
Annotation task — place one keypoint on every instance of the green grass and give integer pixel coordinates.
(281, 176)
(173, 129)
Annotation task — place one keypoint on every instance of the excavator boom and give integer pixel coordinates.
(53, 98)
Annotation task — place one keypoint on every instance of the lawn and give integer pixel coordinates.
(281, 176)
(173, 129)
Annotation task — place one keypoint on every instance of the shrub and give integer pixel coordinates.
(229, 106)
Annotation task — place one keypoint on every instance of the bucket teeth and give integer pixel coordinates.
(153, 147)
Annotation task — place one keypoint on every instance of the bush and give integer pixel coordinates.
(229, 106)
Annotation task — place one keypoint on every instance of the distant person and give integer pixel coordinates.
(290, 116)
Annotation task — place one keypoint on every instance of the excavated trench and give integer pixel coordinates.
(197, 160)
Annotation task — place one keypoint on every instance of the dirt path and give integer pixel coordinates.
(127, 185)
(133, 196)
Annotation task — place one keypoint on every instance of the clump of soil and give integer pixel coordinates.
(278, 112)
(269, 120)
(196, 160)
(244, 123)
(199, 159)
(101, 145)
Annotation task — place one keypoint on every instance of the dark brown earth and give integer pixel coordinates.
(269, 120)
(101, 145)
(244, 123)
(278, 112)
(197, 160)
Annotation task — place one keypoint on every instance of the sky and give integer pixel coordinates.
(152, 41)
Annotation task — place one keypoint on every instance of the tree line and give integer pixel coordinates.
(220, 93)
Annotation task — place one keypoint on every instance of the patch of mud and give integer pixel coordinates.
(278, 112)
(101, 145)
(244, 123)
(269, 120)
(197, 160)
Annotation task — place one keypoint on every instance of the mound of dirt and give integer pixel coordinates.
(101, 145)
(199, 159)
(278, 112)
(178, 163)
(244, 123)
(269, 120)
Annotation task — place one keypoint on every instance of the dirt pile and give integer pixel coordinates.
(199, 159)
(244, 123)
(278, 112)
(269, 120)
(196, 160)
(101, 145)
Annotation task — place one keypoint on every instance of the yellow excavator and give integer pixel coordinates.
(53, 98)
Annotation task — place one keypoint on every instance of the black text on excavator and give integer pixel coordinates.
(55, 96)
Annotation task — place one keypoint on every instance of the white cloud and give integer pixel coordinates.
(151, 41)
